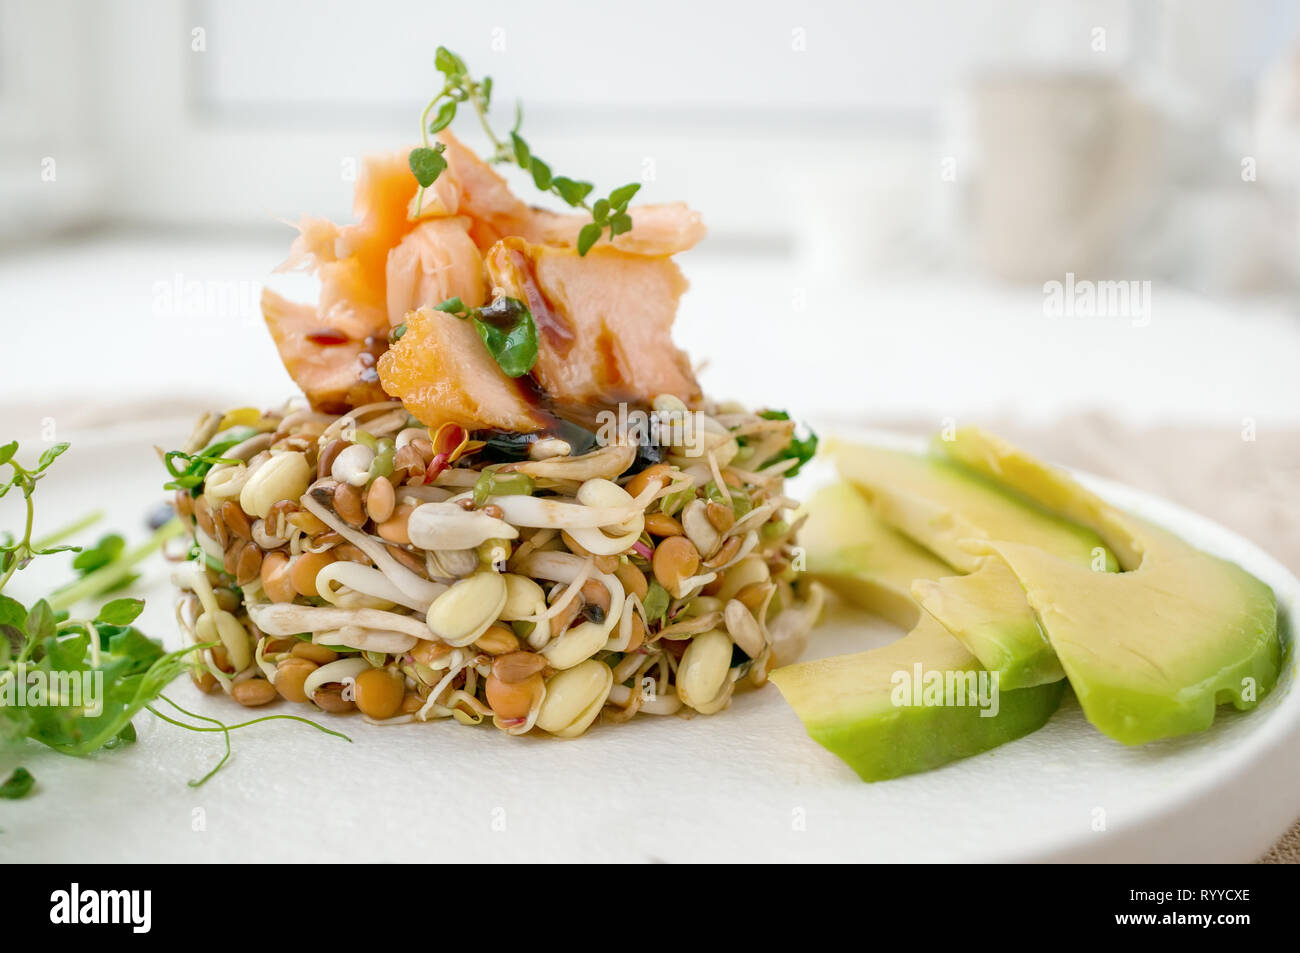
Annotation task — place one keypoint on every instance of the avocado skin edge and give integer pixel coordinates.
(936, 735)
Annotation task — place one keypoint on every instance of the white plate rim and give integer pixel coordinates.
(1164, 824)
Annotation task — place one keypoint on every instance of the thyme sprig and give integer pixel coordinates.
(428, 162)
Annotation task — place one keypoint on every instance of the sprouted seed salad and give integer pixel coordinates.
(505, 498)
(364, 562)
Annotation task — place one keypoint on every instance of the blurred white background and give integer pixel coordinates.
(888, 187)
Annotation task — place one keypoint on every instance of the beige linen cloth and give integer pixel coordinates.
(1251, 486)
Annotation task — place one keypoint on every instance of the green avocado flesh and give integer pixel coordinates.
(849, 704)
(944, 505)
(861, 559)
(948, 508)
(1151, 651)
(988, 613)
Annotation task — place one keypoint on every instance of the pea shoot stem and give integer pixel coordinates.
(227, 729)
(103, 579)
(90, 519)
(24, 548)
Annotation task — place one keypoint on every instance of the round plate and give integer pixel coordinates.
(744, 785)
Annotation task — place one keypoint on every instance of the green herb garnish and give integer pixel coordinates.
(107, 550)
(218, 725)
(774, 530)
(507, 329)
(740, 503)
(109, 576)
(427, 161)
(655, 602)
(75, 684)
(673, 502)
(797, 449)
(194, 469)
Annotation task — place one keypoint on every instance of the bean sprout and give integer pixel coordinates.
(359, 573)
(419, 589)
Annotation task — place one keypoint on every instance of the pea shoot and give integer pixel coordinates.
(75, 684)
(190, 473)
(47, 657)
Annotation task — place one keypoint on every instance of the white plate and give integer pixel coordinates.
(745, 785)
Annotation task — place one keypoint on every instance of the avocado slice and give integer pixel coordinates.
(942, 504)
(860, 559)
(847, 702)
(1152, 651)
(948, 507)
(988, 613)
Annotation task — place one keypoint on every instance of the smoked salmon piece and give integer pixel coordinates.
(604, 326)
(604, 321)
(371, 275)
(436, 261)
(442, 373)
(656, 229)
(473, 188)
(351, 261)
(336, 372)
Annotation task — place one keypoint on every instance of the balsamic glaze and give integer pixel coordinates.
(503, 446)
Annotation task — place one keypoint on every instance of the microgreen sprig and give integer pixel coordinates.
(194, 467)
(16, 554)
(43, 642)
(428, 161)
(218, 725)
(799, 448)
